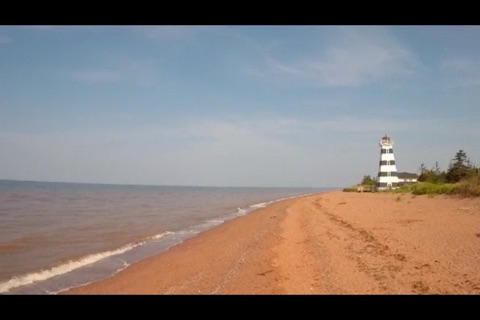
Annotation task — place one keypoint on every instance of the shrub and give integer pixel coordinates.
(350, 189)
(432, 188)
(469, 187)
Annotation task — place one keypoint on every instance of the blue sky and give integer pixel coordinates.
(267, 106)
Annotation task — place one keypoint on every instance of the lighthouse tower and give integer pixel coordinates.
(387, 169)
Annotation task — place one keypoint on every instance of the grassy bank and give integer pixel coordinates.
(467, 188)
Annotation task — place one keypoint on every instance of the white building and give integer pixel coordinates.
(405, 178)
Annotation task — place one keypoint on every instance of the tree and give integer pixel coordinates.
(368, 181)
(422, 169)
(434, 175)
(437, 169)
(459, 168)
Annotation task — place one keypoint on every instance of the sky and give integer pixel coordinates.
(234, 105)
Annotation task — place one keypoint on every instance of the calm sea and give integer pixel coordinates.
(54, 236)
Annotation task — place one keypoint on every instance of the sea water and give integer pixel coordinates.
(55, 236)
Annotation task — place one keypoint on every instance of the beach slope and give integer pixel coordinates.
(328, 243)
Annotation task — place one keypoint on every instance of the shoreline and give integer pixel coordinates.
(330, 242)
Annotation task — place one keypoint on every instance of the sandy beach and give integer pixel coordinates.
(328, 243)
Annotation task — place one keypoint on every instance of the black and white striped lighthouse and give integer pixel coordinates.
(387, 169)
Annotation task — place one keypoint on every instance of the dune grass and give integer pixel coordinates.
(467, 188)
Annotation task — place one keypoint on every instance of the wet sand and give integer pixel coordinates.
(328, 243)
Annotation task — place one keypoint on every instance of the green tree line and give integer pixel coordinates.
(459, 169)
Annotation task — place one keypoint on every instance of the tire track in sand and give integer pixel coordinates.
(372, 257)
(335, 256)
(312, 256)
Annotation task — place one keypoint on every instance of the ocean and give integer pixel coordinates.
(55, 236)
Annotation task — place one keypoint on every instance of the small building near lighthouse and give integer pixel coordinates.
(406, 178)
(387, 168)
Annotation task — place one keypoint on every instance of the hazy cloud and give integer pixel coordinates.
(5, 40)
(461, 72)
(166, 32)
(97, 76)
(140, 72)
(456, 65)
(357, 64)
(123, 69)
(356, 57)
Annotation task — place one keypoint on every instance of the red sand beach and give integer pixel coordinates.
(327, 243)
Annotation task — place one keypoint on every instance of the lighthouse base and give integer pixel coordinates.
(387, 186)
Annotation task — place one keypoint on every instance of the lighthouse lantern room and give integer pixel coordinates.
(387, 172)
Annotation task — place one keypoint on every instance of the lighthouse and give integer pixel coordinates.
(387, 169)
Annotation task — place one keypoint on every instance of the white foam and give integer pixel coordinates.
(161, 235)
(241, 211)
(215, 221)
(69, 266)
(259, 205)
